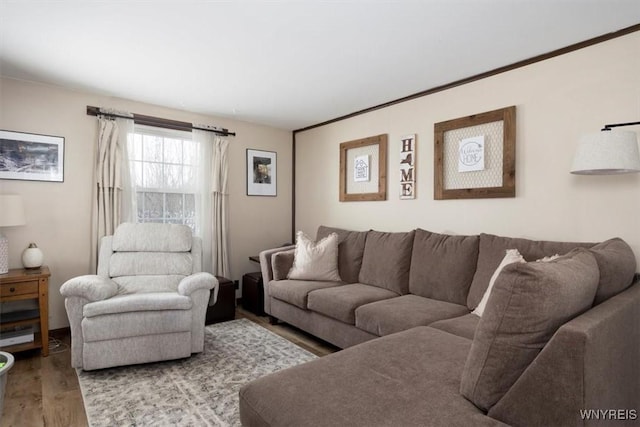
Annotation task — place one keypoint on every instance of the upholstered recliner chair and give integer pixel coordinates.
(147, 302)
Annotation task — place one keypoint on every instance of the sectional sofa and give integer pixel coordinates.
(558, 342)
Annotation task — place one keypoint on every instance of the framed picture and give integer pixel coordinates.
(363, 169)
(261, 173)
(31, 157)
(475, 156)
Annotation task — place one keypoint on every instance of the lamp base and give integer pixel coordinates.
(4, 255)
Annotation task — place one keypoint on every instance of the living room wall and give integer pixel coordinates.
(58, 214)
(557, 101)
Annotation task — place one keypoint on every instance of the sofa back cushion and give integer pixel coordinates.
(528, 303)
(350, 251)
(386, 260)
(491, 253)
(617, 264)
(442, 266)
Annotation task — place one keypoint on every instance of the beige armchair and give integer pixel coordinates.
(147, 302)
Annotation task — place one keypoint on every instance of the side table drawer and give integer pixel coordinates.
(21, 288)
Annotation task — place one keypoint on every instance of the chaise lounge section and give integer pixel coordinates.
(417, 353)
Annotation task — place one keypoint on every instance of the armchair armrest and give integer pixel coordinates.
(197, 281)
(90, 287)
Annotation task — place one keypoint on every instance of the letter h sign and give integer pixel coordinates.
(408, 167)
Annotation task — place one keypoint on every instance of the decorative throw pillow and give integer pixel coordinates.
(281, 264)
(511, 256)
(548, 258)
(529, 302)
(315, 260)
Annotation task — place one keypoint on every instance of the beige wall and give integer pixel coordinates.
(557, 100)
(58, 214)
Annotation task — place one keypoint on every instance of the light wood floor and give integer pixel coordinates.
(44, 391)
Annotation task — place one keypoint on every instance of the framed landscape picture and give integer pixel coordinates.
(31, 157)
(261, 173)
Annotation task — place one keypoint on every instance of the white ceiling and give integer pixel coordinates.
(287, 64)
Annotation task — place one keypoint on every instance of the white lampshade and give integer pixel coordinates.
(606, 153)
(11, 210)
(11, 214)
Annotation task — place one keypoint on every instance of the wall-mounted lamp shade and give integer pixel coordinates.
(607, 152)
(11, 210)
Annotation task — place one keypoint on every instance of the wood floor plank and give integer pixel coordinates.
(44, 391)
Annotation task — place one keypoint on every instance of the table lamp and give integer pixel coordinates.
(11, 214)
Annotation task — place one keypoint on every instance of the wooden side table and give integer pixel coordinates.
(22, 284)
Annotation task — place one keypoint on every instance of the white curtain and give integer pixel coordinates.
(213, 203)
(111, 177)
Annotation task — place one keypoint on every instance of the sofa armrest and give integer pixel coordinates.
(190, 284)
(89, 287)
(266, 267)
(591, 363)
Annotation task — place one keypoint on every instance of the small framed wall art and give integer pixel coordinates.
(363, 169)
(475, 156)
(261, 173)
(31, 157)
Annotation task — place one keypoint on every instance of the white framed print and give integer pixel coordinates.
(31, 157)
(261, 173)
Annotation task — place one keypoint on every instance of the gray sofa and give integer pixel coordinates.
(402, 314)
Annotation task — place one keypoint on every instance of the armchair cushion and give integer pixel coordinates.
(153, 301)
(90, 287)
(150, 237)
(156, 263)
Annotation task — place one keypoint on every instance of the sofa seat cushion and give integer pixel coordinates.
(442, 266)
(406, 379)
(341, 302)
(154, 301)
(296, 291)
(404, 312)
(463, 326)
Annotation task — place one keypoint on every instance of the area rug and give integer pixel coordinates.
(199, 391)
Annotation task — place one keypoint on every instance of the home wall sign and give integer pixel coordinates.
(363, 169)
(408, 167)
(475, 156)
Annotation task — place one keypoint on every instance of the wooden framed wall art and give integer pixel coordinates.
(363, 169)
(475, 156)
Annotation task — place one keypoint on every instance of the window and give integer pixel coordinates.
(164, 167)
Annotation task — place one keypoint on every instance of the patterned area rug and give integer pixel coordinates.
(199, 391)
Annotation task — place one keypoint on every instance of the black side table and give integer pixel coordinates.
(225, 306)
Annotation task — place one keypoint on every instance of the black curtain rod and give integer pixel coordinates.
(158, 122)
(615, 125)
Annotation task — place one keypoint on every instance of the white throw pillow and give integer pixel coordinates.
(548, 258)
(315, 261)
(510, 257)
